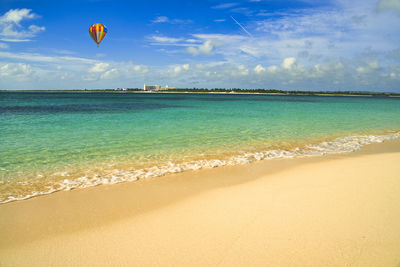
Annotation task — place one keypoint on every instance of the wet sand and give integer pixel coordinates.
(336, 210)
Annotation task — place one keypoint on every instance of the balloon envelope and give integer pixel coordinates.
(97, 31)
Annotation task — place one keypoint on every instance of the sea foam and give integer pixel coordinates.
(338, 145)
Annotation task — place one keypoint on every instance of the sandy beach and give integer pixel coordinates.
(336, 210)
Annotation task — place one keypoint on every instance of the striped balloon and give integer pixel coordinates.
(97, 31)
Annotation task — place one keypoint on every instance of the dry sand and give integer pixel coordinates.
(338, 210)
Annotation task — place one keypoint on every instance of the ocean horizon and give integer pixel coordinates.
(61, 141)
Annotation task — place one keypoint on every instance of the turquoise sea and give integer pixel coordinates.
(60, 141)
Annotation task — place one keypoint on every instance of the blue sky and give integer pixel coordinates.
(289, 45)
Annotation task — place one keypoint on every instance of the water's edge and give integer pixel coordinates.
(338, 145)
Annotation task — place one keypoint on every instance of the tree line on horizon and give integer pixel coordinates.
(225, 90)
(276, 91)
(265, 91)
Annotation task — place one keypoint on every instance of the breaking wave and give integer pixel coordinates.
(338, 145)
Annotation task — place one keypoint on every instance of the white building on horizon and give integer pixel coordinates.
(156, 87)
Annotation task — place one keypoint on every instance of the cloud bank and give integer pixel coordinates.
(11, 28)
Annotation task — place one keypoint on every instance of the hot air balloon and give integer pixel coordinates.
(97, 31)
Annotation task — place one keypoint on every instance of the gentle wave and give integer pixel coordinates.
(338, 145)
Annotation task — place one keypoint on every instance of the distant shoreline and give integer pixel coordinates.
(215, 91)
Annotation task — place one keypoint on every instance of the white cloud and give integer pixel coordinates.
(4, 46)
(272, 68)
(224, 6)
(64, 51)
(290, 74)
(17, 15)
(99, 67)
(191, 40)
(140, 69)
(160, 19)
(227, 38)
(110, 74)
(206, 48)
(259, 69)
(14, 40)
(347, 29)
(199, 43)
(115, 71)
(48, 74)
(164, 39)
(165, 19)
(43, 58)
(11, 29)
(178, 69)
(243, 10)
(242, 70)
(288, 62)
(36, 29)
(315, 34)
(17, 70)
(368, 67)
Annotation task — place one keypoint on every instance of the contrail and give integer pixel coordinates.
(241, 26)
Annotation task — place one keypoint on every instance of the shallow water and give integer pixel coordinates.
(58, 141)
